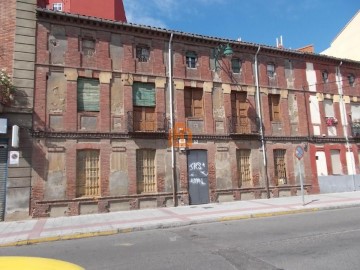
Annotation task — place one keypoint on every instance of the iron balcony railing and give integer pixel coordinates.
(151, 122)
(242, 125)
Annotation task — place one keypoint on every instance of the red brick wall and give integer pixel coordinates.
(7, 34)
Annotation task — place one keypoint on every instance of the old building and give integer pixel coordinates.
(102, 118)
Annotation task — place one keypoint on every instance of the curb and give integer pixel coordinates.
(173, 225)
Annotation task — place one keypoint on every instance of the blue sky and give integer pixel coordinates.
(300, 22)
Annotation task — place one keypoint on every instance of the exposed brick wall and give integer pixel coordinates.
(7, 33)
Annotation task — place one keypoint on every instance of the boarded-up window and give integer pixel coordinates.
(243, 162)
(87, 173)
(144, 94)
(145, 171)
(239, 109)
(193, 100)
(280, 166)
(274, 108)
(144, 119)
(335, 162)
(329, 108)
(88, 95)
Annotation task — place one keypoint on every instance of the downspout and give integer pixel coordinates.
(259, 113)
(345, 123)
(172, 131)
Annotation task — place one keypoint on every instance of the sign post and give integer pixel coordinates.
(299, 153)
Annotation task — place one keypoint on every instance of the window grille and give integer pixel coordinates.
(243, 159)
(145, 165)
(88, 173)
(142, 54)
(279, 165)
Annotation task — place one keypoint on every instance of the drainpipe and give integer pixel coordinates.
(258, 107)
(171, 103)
(345, 123)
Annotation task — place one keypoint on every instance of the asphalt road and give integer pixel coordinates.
(320, 240)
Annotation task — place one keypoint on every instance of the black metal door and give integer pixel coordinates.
(3, 177)
(198, 176)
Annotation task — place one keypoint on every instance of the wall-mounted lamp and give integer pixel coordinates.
(222, 51)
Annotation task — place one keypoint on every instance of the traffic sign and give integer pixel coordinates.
(299, 152)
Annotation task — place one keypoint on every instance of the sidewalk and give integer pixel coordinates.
(52, 229)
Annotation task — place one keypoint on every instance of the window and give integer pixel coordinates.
(239, 112)
(243, 162)
(88, 95)
(280, 166)
(144, 102)
(193, 100)
(88, 173)
(235, 65)
(325, 76)
(88, 46)
(351, 79)
(57, 7)
(274, 107)
(270, 70)
(335, 161)
(142, 53)
(329, 108)
(145, 171)
(191, 59)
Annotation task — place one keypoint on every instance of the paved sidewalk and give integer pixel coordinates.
(52, 229)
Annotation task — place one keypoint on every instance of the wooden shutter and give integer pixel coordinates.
(88, 95)
(274, 107)
(197, 103)
(144, 119)
(144, 94)
(145, 171)
(239, 109)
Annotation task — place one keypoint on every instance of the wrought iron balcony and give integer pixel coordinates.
(242, 125)
(147, 122)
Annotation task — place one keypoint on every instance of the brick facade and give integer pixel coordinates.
(61, 130)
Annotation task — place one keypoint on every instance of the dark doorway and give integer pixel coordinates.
(198, 176)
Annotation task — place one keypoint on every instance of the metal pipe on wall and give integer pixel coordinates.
(171, 103)
(259, 113)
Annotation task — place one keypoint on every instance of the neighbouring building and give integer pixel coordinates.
(102, 112)
(346, 44)
(106, 9)
(17, 57)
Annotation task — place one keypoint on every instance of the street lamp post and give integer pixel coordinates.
(222, 51)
